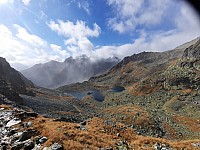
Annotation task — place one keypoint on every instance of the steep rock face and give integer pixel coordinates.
(54, 74)
(193, 52)
(187, 69)
(144, 56)
(12, 82)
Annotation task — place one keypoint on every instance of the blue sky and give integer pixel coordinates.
(37, 31)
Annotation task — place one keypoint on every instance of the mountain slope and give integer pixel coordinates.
(152, 66)
(54, 74)
(12, 82)
(161, 96)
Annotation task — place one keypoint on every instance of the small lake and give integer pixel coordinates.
(118, 89)
(96, 94)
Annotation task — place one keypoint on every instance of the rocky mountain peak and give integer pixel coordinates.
(143, 56)
(54, 74)
(4, 63)
(69, 59)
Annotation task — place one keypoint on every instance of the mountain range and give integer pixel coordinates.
(147, 68)
(54, 74)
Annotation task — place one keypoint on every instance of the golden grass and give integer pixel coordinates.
(191, 123)
(129, 114)
(98, 135)
(171, 132)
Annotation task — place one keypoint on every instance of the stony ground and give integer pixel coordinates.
(54, 104)
(171, 115)
(122, 121)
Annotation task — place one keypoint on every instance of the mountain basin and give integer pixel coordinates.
(118, 89)
(96, 94)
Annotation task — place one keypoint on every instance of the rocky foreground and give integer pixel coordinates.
(20, 129)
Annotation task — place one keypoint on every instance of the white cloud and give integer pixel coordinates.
(77, 35)
(79, 5)
(5, 2)
(86, 6)
(131, 13)
(23, 50)
(4, 31)
(31, 39)
(26, 2)
(78, 29)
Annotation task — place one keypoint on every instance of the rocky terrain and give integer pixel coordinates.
(150, 101)
(27, 130)
(54, 74)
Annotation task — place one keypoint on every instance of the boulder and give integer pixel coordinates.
(56, 146)
(43, 140)
(27, 135)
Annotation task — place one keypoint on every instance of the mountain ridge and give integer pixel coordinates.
(53, 74)
(148, 60)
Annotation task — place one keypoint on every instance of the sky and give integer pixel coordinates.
(38, 31)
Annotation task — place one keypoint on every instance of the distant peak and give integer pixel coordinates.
(69, 59)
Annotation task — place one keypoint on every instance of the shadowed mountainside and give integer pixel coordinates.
(12, 82)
